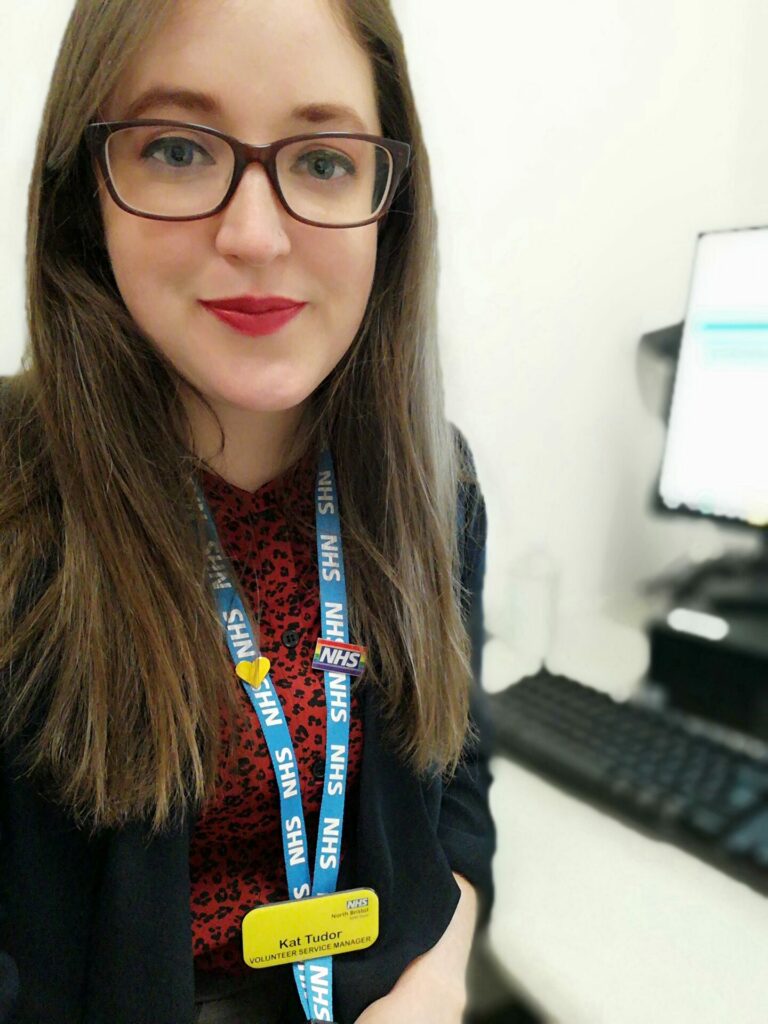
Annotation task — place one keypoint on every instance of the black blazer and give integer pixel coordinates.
(99, 931)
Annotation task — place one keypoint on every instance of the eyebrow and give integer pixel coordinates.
(202, 102)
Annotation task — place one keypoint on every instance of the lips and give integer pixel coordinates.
(251, 304)
(255, 324)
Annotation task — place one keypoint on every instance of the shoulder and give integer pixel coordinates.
(462, 446)
(468, 486)
(471, 519)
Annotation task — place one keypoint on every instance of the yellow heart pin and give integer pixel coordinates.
(253, 672)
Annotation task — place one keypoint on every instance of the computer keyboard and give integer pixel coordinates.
(651, 767)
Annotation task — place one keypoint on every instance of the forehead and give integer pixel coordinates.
(260, 61)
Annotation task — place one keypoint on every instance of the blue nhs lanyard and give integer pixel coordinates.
(316, 996)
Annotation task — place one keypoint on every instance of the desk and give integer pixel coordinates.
(599, 924)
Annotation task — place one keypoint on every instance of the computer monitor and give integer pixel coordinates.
(715, 460)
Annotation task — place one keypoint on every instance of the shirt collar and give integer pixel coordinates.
(222, 493)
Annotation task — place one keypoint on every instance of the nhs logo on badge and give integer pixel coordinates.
(358, 904)
(335, 656)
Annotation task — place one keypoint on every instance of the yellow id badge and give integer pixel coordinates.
(280, 933)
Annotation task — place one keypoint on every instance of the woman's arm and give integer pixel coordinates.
(465, 828)
(432, 989)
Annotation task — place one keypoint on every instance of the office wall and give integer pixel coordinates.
(576, 150)
(30, 35)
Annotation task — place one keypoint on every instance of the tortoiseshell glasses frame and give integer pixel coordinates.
(98, 133)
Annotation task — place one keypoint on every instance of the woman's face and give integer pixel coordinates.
(258, 60)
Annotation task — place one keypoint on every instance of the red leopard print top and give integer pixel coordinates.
(236, 856)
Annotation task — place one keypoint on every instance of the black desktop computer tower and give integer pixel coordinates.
(725, 681)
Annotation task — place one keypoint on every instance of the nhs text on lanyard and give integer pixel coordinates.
(333, 652)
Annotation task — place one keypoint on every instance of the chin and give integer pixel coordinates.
(270, 402)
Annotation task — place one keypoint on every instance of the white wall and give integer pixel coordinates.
(621, 130)
(30, 34)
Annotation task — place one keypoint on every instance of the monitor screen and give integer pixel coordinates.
(716, 454)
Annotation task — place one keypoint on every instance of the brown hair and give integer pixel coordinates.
(110, 643)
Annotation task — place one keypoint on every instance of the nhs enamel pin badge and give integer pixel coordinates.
(335, 656)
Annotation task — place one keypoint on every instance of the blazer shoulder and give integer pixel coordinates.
(471, 518)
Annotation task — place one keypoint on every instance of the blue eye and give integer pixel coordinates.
(324, 160)
(178, 148)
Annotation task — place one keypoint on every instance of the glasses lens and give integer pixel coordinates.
(335, 181)
(169, 171)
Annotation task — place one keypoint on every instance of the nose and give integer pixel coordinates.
(252, 226)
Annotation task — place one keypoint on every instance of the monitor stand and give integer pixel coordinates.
(746, 594)
(733, 582)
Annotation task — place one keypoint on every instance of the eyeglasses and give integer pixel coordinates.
(172, 170)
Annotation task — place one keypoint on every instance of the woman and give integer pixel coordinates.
(167, 458)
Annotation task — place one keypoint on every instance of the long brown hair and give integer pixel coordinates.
(112, 658)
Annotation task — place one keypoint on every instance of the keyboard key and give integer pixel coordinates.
(673, 807)
(743, 798)
(649, 798)
(749, 834)
(753, 777)
(705, 822)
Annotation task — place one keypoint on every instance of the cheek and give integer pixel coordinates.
(346, 265)
(154, 275)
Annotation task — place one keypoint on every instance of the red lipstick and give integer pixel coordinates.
(253, 315)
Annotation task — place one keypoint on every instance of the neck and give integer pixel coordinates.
(256, 443)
